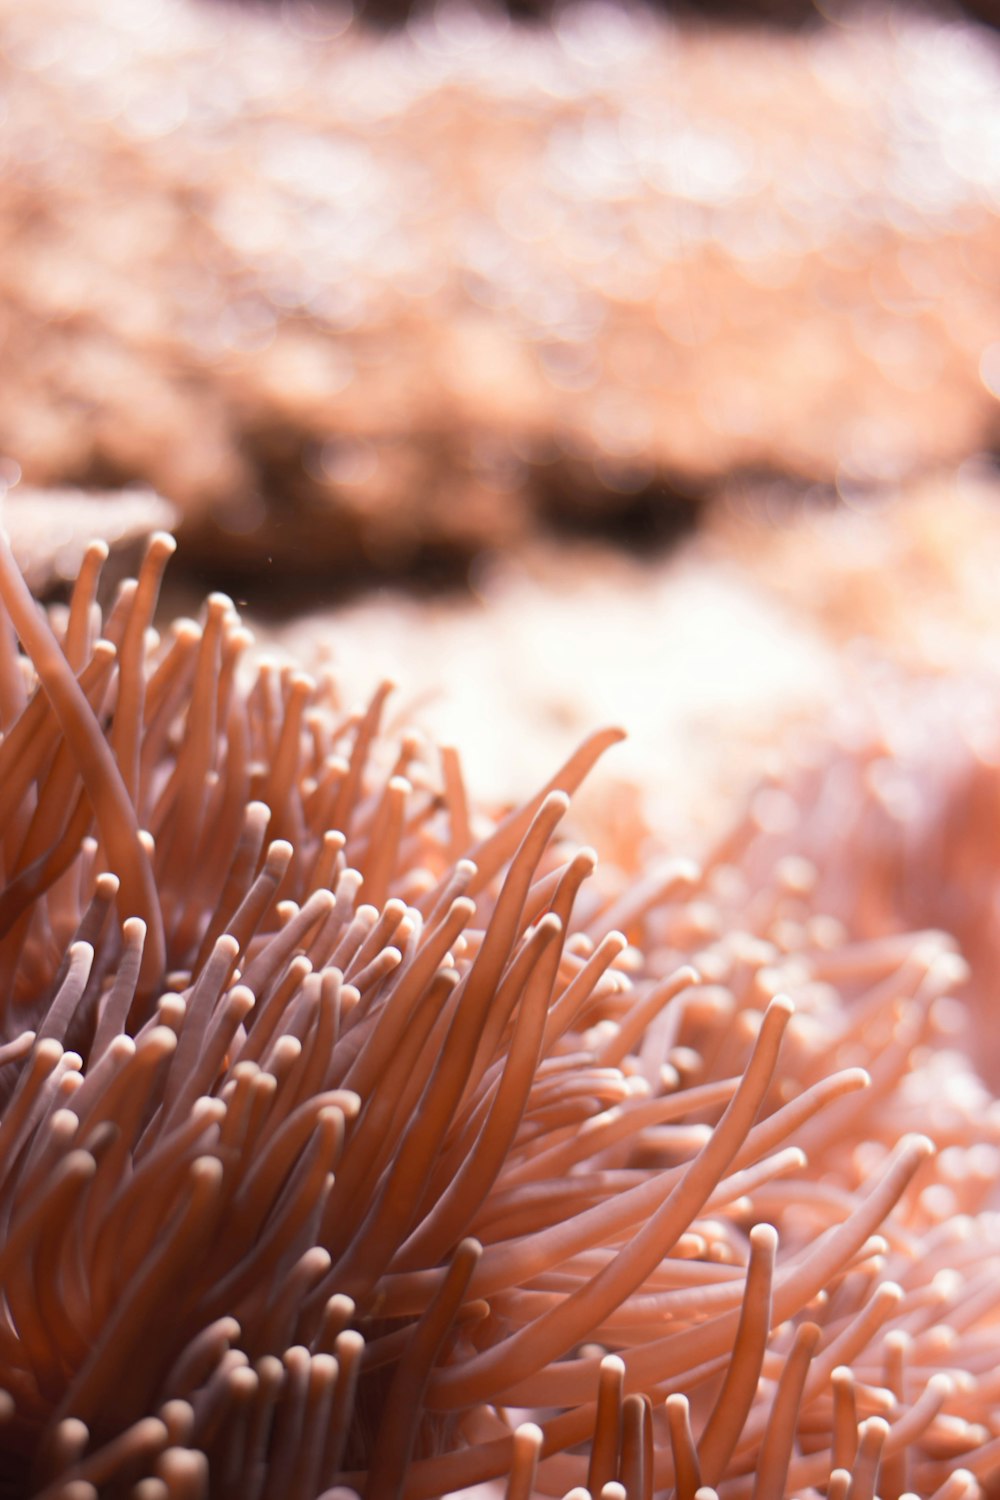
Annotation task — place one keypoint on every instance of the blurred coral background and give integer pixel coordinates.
(600, 363)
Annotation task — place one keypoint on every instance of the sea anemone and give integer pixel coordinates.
(354, 1142)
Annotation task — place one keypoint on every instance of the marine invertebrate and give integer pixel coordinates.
(447, 285)
(349, 1141)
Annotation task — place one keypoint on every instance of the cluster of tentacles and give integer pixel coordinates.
(352, 1142)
